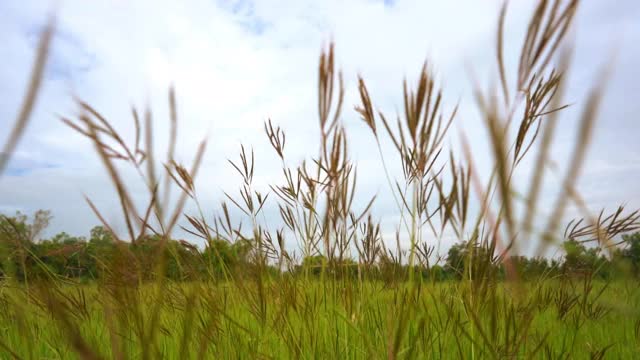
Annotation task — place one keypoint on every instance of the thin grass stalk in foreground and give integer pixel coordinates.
(33, 89)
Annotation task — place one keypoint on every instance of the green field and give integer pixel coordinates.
(330, 320)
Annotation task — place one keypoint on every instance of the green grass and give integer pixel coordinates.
(333, 319)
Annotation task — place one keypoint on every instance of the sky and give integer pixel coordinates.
(235, 64)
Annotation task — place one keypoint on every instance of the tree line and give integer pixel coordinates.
(26, 255)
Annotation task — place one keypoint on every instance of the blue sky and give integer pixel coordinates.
(236, 63)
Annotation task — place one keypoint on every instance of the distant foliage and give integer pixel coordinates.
(78, 257)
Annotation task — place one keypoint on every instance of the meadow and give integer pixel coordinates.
(330, 319)
(347, 291)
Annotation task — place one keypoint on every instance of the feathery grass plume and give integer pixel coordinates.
(539, 91)
(547, 28)
(603, 230)
(158, 218)
(418, 143)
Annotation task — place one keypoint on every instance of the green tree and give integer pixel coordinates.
(579, 260)
(455, 259)
(468, 259)
(221, 257)
(17, 244)
(631, 252)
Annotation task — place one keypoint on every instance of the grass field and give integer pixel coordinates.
(332, 319)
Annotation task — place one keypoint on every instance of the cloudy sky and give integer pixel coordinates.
(235, 64)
